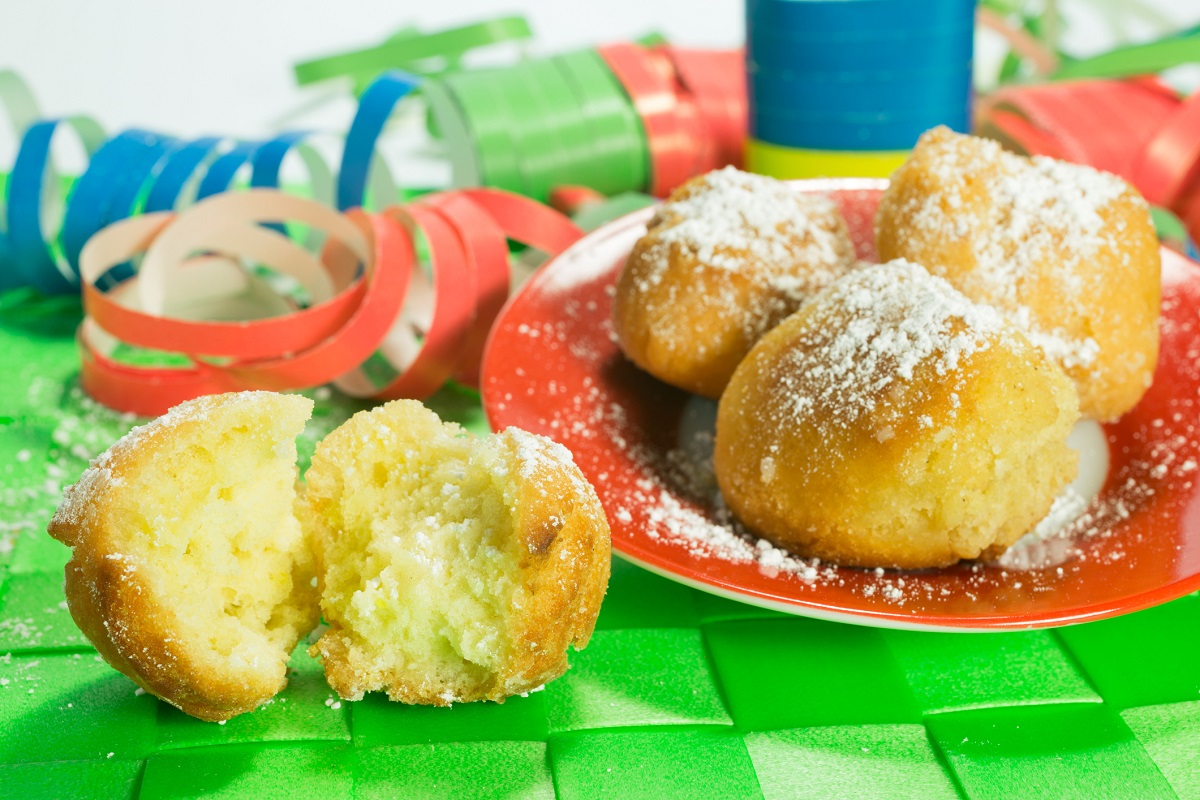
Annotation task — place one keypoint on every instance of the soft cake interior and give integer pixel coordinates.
(421, 565)
(231, 562)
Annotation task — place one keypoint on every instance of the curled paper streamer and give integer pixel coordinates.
(619, 118)
(139, 171)
(408, 49)
(656, 118)
(369, 299)
(134, 172)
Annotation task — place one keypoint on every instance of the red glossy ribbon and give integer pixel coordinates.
(1170, 163)
(715, 82)
(483, 243)
(652, 90)
(453, 312)
(1104, 124)
(241, 340)
(372, 297)
(1139, 129)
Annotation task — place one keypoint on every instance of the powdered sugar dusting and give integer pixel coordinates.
(539, 456)
(1049, 210)
(874, 328)
(727, 257)
(1020, 218)
(730, 217)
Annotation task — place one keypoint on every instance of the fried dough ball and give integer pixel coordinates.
(1067, 252)
(189, 572)
(724, 260)
(892, 422)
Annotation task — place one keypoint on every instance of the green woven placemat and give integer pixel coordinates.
(680, 694)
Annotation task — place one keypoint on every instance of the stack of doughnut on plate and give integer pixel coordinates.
(915, 412)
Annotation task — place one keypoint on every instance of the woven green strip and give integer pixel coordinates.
(377, 721)
(1171, 736)
(34, 616)
(883, 762)
(314, 772)
(640, 599)
(110, 779)
(499, 770)
(1142, 659)
(1062, 752)
(794, 673)
(306, 710)
(71, 707)
(636, 677)
(655, 765)
(950, 671)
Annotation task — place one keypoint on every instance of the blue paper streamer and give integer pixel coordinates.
(178, 168)
(140, 170)
(923, 49)
(863, 133)
(841, 17)
(109, 187)
(374, 108)
(220, 173)
(26, 185)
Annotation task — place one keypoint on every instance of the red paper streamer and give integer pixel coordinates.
(1139, 129)
(428, 330)
(692, 104)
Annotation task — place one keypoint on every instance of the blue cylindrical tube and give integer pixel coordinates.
(857, 74)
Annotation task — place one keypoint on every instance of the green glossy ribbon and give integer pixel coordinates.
(407, 48)
(547, 122)
(1140, 59)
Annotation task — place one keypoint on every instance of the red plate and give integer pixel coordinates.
(552, 367)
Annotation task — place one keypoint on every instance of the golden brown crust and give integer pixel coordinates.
(109, 594)
(688, 309)
(702, 348)
(1069, 252)
(136, 637)
(563, 532)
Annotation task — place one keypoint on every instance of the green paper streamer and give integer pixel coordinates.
(1142, 59)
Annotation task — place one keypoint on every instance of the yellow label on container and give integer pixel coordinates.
(794, 162)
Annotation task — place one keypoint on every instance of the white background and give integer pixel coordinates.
(224, 66)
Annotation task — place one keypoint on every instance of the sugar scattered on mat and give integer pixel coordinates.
(79, 430)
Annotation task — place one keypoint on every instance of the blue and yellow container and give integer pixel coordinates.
(845, 87)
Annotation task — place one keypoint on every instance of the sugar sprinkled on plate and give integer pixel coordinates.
(673, 500)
